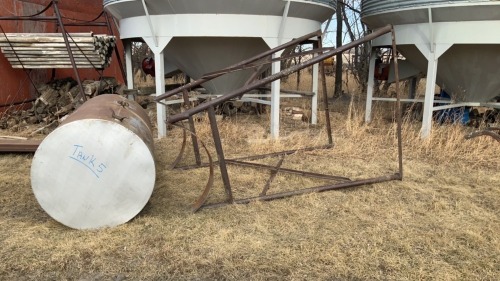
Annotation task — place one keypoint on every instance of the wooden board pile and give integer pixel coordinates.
(57, 99)
(48, 50)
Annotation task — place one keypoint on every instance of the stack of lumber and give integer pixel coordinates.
(48, 50)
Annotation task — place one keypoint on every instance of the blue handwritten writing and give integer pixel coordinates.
(88, 160)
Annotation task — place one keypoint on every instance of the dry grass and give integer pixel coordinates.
(440, 223)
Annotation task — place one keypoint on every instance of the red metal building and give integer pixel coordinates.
(15, 85)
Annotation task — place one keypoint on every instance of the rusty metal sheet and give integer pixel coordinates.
(18, 146)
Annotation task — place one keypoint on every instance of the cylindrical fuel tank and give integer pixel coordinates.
(97, 169)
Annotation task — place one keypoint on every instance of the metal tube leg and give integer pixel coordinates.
(275, 100)
(220, 154)
(128, 64)
(429, 95)
(314, 99)
(370, 86)
(325, 97)
(161, 110)
(192, 127)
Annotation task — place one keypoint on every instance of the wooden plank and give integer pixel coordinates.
(50, 60)
(73, 48)
(60, 66)
(46, 39)
(83, 46)
(49, 63)
(48, 50)
(54, 52)
(61, 56)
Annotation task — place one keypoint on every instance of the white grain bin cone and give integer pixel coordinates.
(97, 169)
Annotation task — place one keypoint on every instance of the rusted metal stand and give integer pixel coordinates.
(256, 63)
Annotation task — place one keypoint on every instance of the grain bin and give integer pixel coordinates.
(455, 43)
(97, 169)
(200, 36)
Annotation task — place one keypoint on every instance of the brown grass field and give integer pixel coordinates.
(440, 223)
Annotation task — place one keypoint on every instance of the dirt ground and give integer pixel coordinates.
(440, 223)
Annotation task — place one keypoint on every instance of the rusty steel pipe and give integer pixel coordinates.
(217, 101)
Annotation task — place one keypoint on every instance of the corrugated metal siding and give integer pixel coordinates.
(369, 7)
(330, 3)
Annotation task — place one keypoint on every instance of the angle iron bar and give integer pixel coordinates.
(257, 157)
(256, 73)
(18, 146)
(302, 93)
(286, 152)
(215, 74)
(325, 96)
(233, 94)
(323, 188)
(274, 173)
(303, 53)
(220, 154)
(218, 73)
(192, 127)
(285, 170)
(242, 63)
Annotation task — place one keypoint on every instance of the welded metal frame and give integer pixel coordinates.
(340, 183)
